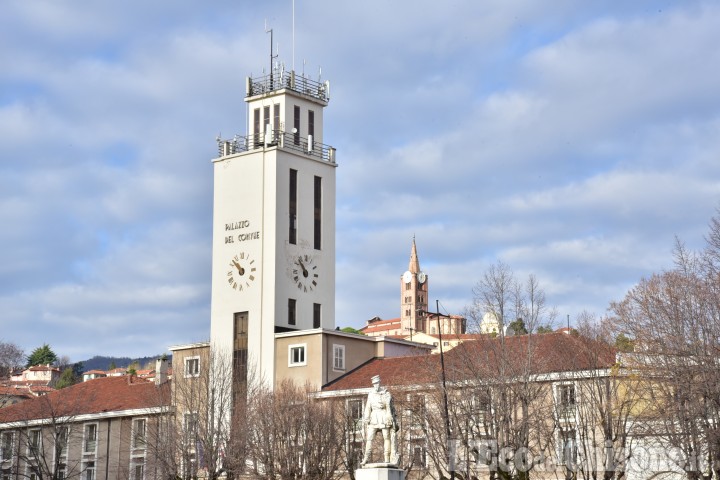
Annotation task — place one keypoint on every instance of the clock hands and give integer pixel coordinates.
(241, 270)
(302, 265)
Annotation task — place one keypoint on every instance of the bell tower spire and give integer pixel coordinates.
(413, 295)
(414, 266)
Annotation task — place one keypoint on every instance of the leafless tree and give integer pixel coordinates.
(292, 434)
(605, 404)
(501, 294)
(41, 432)
(203, 436)
(11, 357)
(674, 319)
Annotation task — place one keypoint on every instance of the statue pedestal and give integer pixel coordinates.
(380, 471)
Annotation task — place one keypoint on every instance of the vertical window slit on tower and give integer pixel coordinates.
(318, 213)
(240, 347)
(311, 126)
(276, 120)
(296, 124)
(317, 315)
(292, 232)
(292, 311)
(256, 126)
(266, 119)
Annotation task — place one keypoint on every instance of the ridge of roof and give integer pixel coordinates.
(541, 353)
(95, 396)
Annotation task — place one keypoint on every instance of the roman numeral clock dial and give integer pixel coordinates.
(241, 272)
(304, 272)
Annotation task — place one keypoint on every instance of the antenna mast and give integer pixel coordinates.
(293, 35)
(270, 31)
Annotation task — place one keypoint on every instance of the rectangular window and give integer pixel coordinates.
(296, 355)
(267, 123)
(566, 394)
(339, 357)
(62, 441)
(418, 457)
(296, 125)
(292, 232)
(417, 411)
(7, 441)
(192, 367)
(190, 421)
(276, 120)
(317, 315)
(567, 454)
(240, 347)
(276, 117)
(318, 213)
(139, 433)
(256, 127)
(292, 311)
(311, 123)
(355, 413)
(138, 469)
(34, 443)
(90, 438)
(88, 472)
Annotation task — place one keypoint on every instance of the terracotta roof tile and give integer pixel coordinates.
(481, 358)
(381, 325)
(94, 396)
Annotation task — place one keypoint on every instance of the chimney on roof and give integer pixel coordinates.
(161, 369)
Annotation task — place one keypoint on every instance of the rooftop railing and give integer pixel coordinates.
(282, 79)
(277, 138)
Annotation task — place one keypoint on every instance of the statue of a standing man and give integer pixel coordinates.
(380, 415)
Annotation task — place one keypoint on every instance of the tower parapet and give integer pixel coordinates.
(288, 80)
(275, 104)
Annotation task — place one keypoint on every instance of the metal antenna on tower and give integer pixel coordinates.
(293, 35)
(270, 31)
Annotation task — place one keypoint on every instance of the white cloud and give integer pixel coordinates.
(571, 142)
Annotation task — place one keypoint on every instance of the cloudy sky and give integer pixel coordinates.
(571, 140)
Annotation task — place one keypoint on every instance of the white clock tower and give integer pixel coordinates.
(273, 260)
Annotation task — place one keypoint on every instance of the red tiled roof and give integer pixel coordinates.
(27, 383)
(95, 396)
(381, 325)
(90, 372)
(458, 336)
(484, 358)
(15, 392)
(394, 371)
(43, 368)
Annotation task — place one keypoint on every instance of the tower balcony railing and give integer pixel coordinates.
(282, 79)
(277, 138)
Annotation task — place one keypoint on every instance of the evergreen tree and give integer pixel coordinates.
(42, 356)
(518, 326)
(624, 343)
(545, 329)
(351, 330)
(67, 378)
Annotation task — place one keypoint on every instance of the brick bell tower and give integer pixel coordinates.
(413, 295)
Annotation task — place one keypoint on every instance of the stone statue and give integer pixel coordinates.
(380, 415)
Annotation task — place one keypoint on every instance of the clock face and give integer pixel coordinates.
(421, 277)
(241, 272)
(407, 277)
(304, 272)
